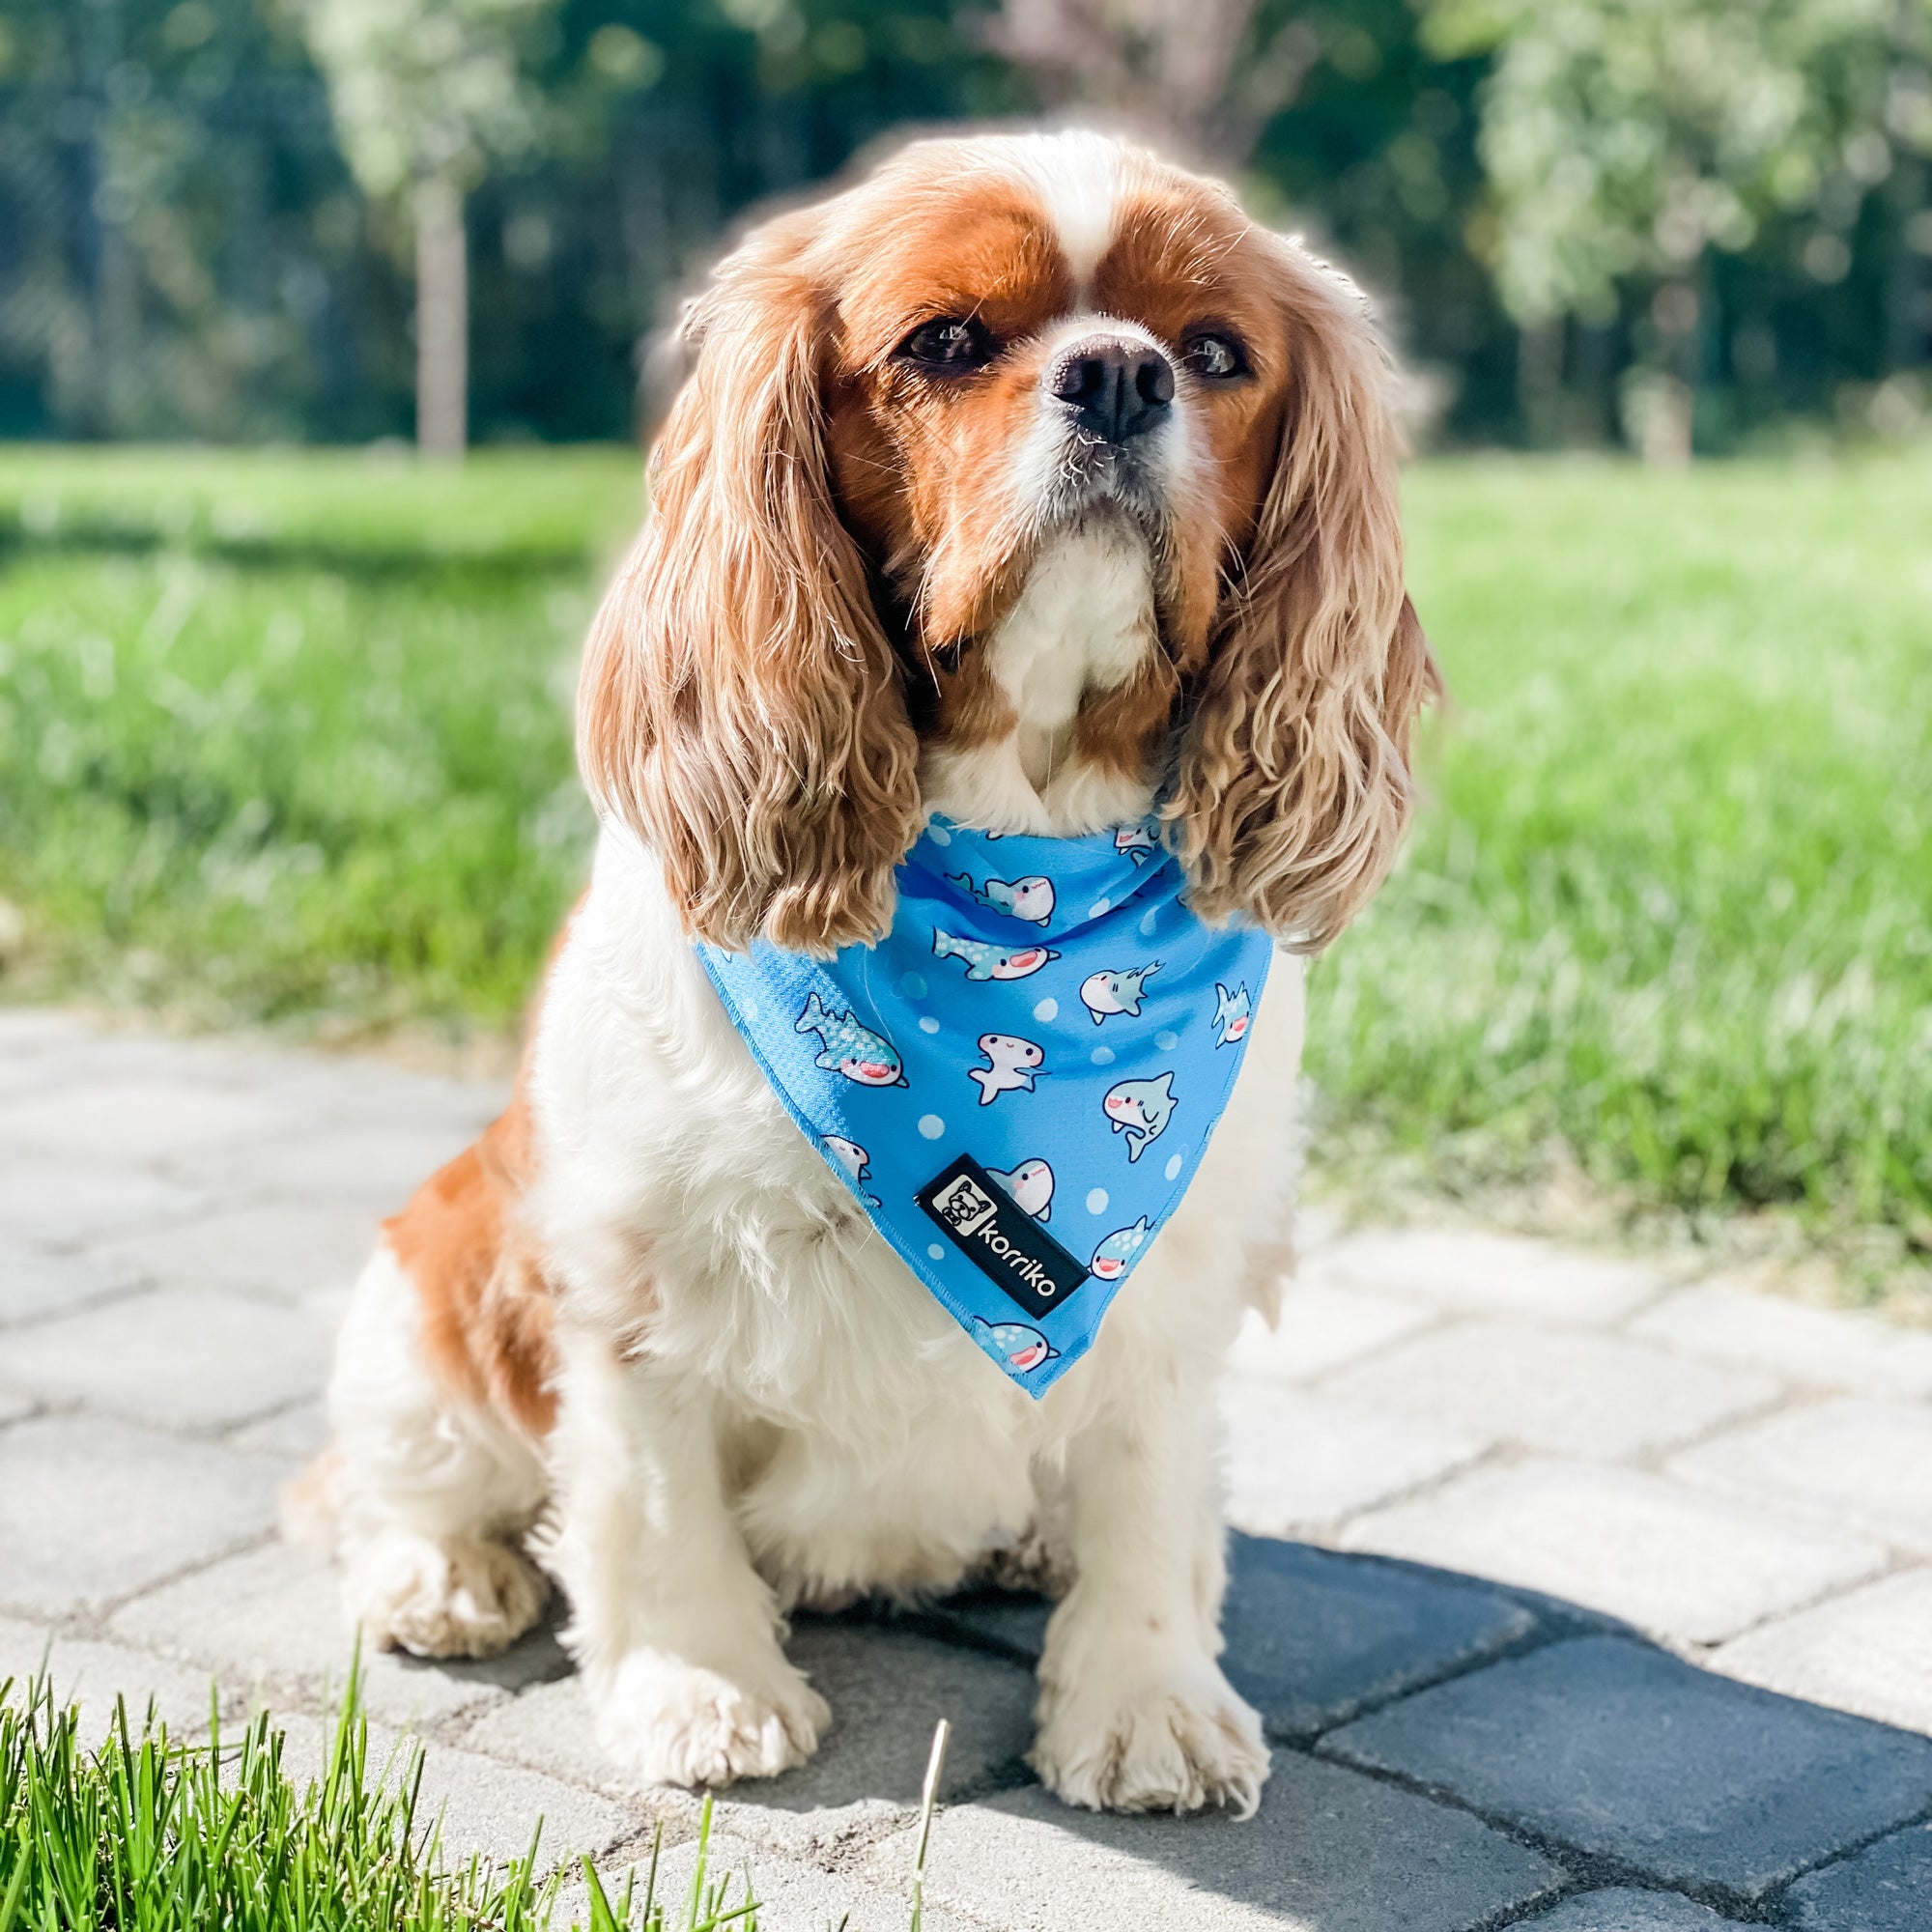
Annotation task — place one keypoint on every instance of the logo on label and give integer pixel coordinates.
(999, 1238)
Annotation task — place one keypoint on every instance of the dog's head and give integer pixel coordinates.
(1031, 481)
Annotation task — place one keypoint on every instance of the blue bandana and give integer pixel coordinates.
(1020, 1080)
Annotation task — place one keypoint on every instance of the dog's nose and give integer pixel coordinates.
(1117, 388)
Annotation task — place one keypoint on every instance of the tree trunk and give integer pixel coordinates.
(442, 321)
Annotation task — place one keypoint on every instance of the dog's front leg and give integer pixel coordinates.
(1134, 1714)
(679, 1638)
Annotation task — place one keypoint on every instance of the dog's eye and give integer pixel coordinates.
(955, 343)
(1216, 359)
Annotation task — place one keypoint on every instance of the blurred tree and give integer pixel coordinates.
(426, 94)
(183, 249)
(1630, 142)
(178, 234)
(1200, 78)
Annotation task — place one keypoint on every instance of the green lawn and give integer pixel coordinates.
(287, 735)
(138, 1832)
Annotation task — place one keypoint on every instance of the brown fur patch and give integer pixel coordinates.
(487, 1314)
(1121, 730)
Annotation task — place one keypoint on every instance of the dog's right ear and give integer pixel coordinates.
(740, 706)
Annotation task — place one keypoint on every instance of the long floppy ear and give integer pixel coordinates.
(738, 705)
(1293, 786)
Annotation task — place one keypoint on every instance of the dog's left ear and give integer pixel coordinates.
(1295, 785)
(738, 705)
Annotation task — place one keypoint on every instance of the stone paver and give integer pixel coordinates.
(1323, 1325)
(287, 1249)
(34, 1284)
(135, 1120)
(1297, 1460)
(1887, 1887)
(92, 1508)
(793, 1895)
(296, 1433)
(1576, 1393)
(1620, 1908)
(1628, 1752)
(268, 1622)
(1821, 1346)
(1862, 1464)
(372, 1170)
(184, 1357)
(1565, 1436)
(1869, 1651)
(485, 1807)
(58, 1201)
(1492, 1273)
(1670, 1559)
(1327, 1852)
(93, 1675)
(1312, 1636)
(887, 1689)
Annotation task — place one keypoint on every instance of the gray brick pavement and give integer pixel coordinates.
(1862, 1463)
(1868, 1651)
(92, 1508)
(1886, 1888)
(1571, 1393)
(1610, 1747)
(1621, 1908)
(192, 1357)
(1328, 1849)
(1676, 1562)
(1565, 1436)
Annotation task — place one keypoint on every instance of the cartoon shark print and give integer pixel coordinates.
(1137, 842)
(1115, 1255)
(1141, 1109)
(1030, 1185)
(854, 1159)
(1030, 898)
(991, 962)
(1232, 1013)
(1012, 1064)
(1015, 1343)
(856, 1052)
(1105, 993)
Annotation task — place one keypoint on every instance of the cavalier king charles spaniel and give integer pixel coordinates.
(1027, 482)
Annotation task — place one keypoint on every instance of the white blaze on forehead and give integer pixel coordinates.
(1077, 178)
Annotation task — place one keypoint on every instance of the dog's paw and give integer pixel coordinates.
(469, 1597)
(667, 1722)
(1175, 1743)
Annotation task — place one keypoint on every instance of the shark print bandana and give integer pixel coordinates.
(1018, 1082)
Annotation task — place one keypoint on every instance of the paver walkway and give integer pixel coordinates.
(1574, 1597)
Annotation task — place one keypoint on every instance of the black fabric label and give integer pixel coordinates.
(999, 1238)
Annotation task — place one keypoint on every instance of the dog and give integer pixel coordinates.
(1025, 481)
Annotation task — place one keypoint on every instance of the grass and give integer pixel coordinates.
(1670, 904)
(145, 1833)
(281, 735)
(284, 736)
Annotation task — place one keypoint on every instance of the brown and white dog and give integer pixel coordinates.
(1027, 481)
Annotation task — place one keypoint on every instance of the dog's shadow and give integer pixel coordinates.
(1589, 1757)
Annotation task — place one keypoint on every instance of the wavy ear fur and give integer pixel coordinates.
(740, 707)
(1294, 787)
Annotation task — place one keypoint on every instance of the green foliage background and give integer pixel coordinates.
(183, 250)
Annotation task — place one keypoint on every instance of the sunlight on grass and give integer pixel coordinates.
(1670, 898)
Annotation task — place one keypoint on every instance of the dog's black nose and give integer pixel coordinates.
(1117, 388)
